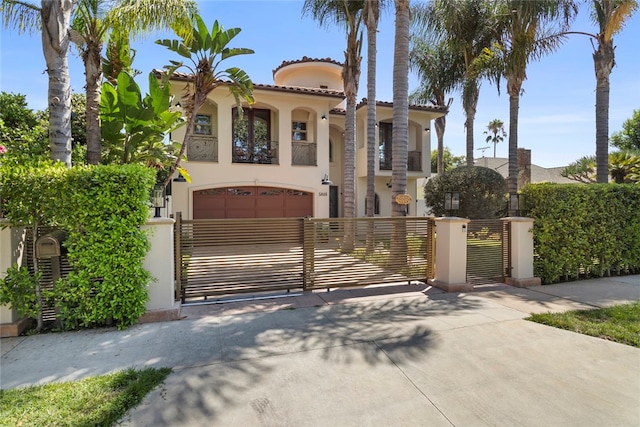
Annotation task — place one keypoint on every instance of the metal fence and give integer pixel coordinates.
(233, 256)
(488, 255)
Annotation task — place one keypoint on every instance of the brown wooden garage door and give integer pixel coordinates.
(251, 202)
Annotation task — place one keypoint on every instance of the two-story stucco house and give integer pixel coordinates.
(283, 158)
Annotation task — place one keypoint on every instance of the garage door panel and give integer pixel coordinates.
(251, 202)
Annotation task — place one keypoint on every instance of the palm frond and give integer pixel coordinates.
(20, 15)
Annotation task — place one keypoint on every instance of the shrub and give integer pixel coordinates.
(102, 209)
(584, 230)
(482, 192)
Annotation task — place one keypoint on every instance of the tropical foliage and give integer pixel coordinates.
(449, 160)
(133, 127)
(206, 50)
(95, 20)
(624, 168)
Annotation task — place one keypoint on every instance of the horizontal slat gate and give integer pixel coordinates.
(485, 255)
(232, 256)
(367, 251)
(235, 256)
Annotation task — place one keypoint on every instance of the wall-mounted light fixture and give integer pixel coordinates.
(427, 129)
(324, 117)
(389, 184)
(517, 204)
(158, 198)
(179, 178)
(451, 202)
(325, 180)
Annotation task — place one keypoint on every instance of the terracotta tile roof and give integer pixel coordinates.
(306, 59)
(434, 108)
(292, 89)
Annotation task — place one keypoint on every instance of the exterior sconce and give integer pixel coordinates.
(158, 198)
(389, 184)
(517, 204)
(179, 178)
(451, 202)
(325, 180)
(427, 130)
(324, 117)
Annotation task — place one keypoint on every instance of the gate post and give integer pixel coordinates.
(451, 255)
(521, 237)
(12, 246)
(159, 261)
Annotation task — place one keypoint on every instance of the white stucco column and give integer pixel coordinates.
(160, 263)
(11, 250)
(521, 247)
(451, 254)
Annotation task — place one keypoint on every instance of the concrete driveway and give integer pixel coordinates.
(401, 356)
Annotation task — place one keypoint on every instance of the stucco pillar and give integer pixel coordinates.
(160, 263)
(451, 254)
(11, 250)
(521, 237)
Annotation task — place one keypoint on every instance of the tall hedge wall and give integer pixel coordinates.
(102, 209)
(584, 230)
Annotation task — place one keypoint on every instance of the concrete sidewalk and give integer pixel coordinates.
(406, 355)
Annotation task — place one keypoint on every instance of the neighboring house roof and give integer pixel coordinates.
(178, 76)
(538, 173)
(306, 59)
(433, 108)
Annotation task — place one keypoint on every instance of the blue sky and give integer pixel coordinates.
(557, 114)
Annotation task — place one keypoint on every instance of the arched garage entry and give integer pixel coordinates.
(251, 202)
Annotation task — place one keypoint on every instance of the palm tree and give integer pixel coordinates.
(468, 26)
(206, 50)
(495, 133)
(53, 18)
(440, 70)
(349, 14)
(529, 29)
(371, 14)
(92, 22)
(610, 16)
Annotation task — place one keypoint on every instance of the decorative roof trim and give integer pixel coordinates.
(304, 60)
(178, 76)
(433, 108)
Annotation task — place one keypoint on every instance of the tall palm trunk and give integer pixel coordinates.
(514, 86)
(371, 13)
(400, 132)
(440, 124)
(603, 60)
(470, 103)
(56, 17)
(93, 78)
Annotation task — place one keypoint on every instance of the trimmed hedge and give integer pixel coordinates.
(584, 230)
(102, 209)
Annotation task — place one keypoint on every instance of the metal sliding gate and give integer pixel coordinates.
(488, 255)
(217, 257)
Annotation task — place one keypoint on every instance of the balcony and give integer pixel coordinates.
(202, 149)
(258, 152)
(304, 153)
(414, 161)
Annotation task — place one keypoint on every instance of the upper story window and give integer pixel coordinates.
(385, 148)
(252, 137)
(202, 125)
(299, 131)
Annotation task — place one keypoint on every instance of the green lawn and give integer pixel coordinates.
(95, 401)
(619, 323)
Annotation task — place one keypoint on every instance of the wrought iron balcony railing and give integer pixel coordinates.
(414, 161)
(258, 152)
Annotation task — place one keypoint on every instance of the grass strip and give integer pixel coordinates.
(94, 401)
(620, 323)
